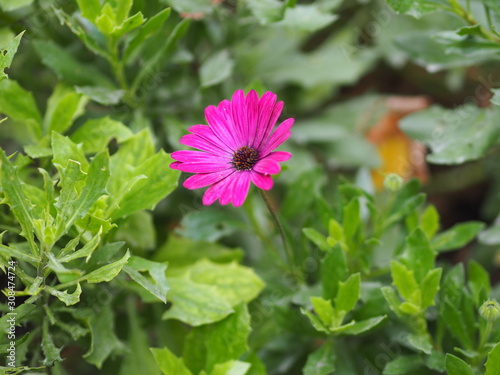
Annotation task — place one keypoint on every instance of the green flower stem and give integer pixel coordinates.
(469, 18)
(274, 214)
(485, 335)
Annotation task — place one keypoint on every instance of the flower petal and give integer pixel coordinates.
(200, 167)
(262, 181)
(221, 123)
(279, 136)
(198, 156)
(267, 166)
(239, 116)
(280, 155)
(240, 187)
(269, 112)
(205, 132)
(204, 179)
(213, 192)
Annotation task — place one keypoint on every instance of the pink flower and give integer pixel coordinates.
(237, 147)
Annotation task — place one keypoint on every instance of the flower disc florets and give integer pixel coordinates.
(245, 158)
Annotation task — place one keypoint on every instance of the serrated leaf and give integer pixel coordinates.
(169, 364)
(159, 287)
(404, 280)
(68, 298)
(456, 366)
(419, 255)
(51, 352)
(457, 236)
(315, 321)
(86, 251)
(7, 54)
(321, 361)
(108, 272)
(392, 299)
(356, 328)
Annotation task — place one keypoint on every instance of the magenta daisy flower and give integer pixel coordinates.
(237, 147)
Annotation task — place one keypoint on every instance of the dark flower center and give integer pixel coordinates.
(245, 158)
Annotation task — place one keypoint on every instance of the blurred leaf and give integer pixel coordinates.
(392, 299)
(191, 6)
(356, 328)
(454, 135)
(421, 342)
(63, 107)
(347, 296)
(138, 230)
(419, 254)
(430, 287)
(430, 221)
(403, 365)
(129, 24)
(493, 362)
(266, 11)
(479, 282)
(159, 287)
(169, 363)
(418, 8)
(457, 236)
(7, 54)
(107, 272)
(227, 340)
(315, 321)
(195, 303)
(94, 135)
(351, 218)
(490, 236)
(324, 309)
(321, 362)
(50, 351)
(238, 283)
(231, 368)
(22, 312)
(180, 252)
(90, 8)
(101, 95)
(67, 68)
(404, 280)
(308, 18)
(456, 366)
(317, 238)
(152, 26)
(19, 105)
(333, 271)
(10, 5)
(209, 225)
(104, 341)
(216, 69)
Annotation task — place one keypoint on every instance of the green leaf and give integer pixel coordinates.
(456, 366)
(315, 321)
(333, 271)
(51, 352)
(67, 68)
(479, 282)
(22, 312)
(417, 8)
(169, 363)
(430, 221)
(75, 204)
(308, 18)
(195, 303)
(20, 205)
(209, 225)
(351, 218)
(108, 272)
(430, 287)
(324, 310)
(321, 362)
(19, 105)
(159, 286)
(404, 280)
(131, 23)
(234, 282)
(68, 298)
(90, 8)
(421, 342)
(466, 133)
(216, 69)
(67, 154)
(103, 338)
(403, 365)
(227, 340)
(456, 323)
(63, 107)
(86, 251)
(457, 236)
(94, 135)
(317, 238)
(419, 255)
(347, 296)
(356, 328)
(152, 26)
(392, 299)
(266, 11)
(231, 368)
(493, 362)
(101, 95)
(7, 54)
(490, 236)
(10, 5)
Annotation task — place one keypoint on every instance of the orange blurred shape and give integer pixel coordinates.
(398, 153)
